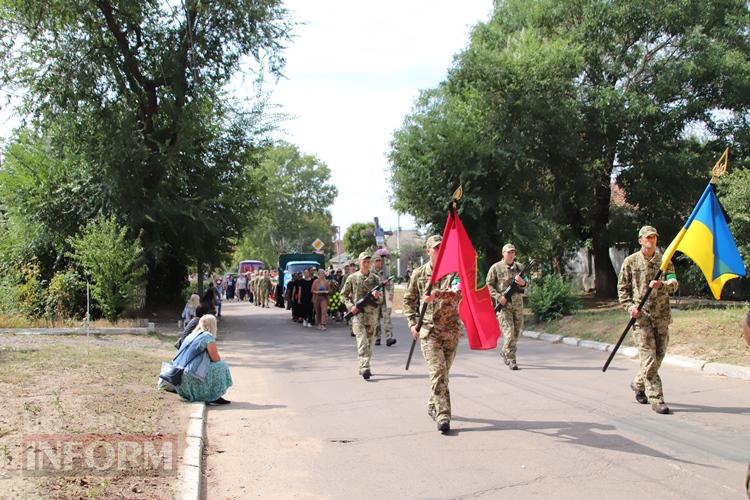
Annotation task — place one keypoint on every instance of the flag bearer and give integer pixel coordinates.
(440, 330)
(651, 327)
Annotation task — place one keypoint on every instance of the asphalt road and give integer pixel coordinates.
(304, 424)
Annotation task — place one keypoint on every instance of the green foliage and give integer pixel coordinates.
(66, 296)
(127, 116)
(297, 193)
(734, 193)
(113, 263)
(553, 99)
(359, 237)
(552, 298)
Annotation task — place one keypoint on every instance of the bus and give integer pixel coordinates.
(249, 266)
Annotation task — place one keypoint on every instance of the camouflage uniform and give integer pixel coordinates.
(439, 334)
(651, 330)
(510, 317)
(385, 309)
(256, 290)
(264, 288)
(363, 323)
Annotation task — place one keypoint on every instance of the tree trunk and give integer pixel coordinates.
(605, 276)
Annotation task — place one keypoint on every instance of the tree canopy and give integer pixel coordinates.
(359, 237)
(553, 101)
(297, 194)
(127, 115)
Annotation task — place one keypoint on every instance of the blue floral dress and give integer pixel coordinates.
(218, 380)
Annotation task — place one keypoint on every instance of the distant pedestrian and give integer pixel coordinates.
(651, 329)
(242, 286)
(304, 297)
(218, 293)
(188, 312)
(321, 291)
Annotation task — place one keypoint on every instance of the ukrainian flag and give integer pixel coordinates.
(706, 239)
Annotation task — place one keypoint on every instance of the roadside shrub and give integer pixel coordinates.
(66, 296)
(552, 298)
(113, 264)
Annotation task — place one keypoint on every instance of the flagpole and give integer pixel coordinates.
(717, 171)
(452, 213)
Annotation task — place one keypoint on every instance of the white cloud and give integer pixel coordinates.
(352, 75)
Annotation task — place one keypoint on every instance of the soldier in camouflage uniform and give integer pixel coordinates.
(256, 288)
(651, 329)
(510, 317)
(440, 331)
(264, 288)
(363, 322)
(384, 311)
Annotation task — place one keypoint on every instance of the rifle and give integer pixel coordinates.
(367, 299)
(508, 292)
(419, 325)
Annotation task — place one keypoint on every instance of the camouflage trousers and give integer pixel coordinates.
(384, 315)
(363, 326)
(652, 343)
(439, 351)
(263, 297)
(511, 324)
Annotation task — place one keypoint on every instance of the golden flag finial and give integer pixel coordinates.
(457, 194)
(721, 167)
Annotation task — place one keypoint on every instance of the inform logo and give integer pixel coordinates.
(99, 454)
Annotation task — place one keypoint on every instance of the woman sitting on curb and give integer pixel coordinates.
(206, 377)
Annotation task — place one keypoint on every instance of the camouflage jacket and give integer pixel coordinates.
(389, 288)
(499, 277)
(441, 314)
(357, 285)
(637, 271)
(264, 284)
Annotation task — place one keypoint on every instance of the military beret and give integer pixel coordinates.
(646, 231)
(508, 247)
(433, 241)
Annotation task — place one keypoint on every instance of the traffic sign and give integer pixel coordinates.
(317, 244)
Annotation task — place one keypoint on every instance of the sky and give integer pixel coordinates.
(353, 73)
(354, 70)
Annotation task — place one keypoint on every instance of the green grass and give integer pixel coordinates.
(704, 333)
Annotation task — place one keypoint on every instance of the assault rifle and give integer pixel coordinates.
(508, 292)
(368, 298)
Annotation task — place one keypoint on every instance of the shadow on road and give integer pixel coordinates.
(524, 366)
(581, 433)
(686, 408)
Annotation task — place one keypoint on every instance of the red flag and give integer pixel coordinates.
(457, 255)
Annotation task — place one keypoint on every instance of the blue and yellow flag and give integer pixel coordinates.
(706, 239)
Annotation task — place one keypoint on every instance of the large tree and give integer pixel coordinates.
(297, 196)
(553, 100)
(133, 95)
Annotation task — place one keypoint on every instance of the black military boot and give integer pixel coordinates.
(377, 341)
(366, 374)
(444, 426)
(640, 396)
(390, 342)
(660, 408)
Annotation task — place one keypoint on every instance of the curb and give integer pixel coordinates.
(723, 369)
(191, 469)
(79, 331)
